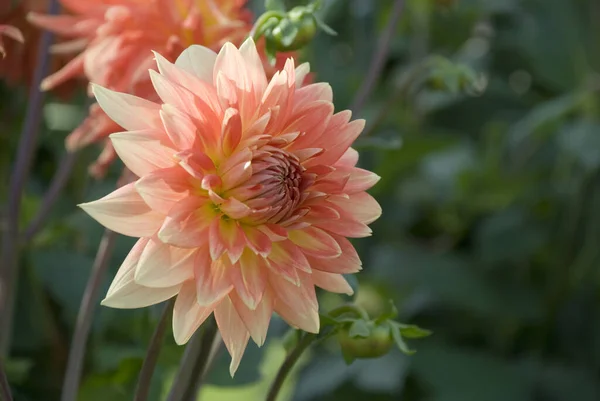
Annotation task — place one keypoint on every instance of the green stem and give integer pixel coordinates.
(194, 363)
(143, 386)
(288, 364)
(349, 308)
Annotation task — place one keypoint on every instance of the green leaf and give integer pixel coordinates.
(323, 26)
(411, 331)
(359, 328)
(397, 336)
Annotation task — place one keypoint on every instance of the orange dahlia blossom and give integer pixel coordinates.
(247, 192)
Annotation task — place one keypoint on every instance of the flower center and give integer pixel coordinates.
(275, 189)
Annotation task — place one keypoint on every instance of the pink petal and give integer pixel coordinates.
(358, 206)
(234, 332)
(301, 72)
(187, 314)
(124, 211)
(254, 67)
(249, 279)
(231, 131)
(198, 61)
(143, 151)
(314, 119)
(348, 262)
(359, 180)
(162, 189)
(225, 235)
(316, 242)
(212, 278)
(231, 64)
(130, 112)
(311, 93)
(125, 293)
(257, 320)
(234, 208)
(258, 241)
(285, 256)
(331, 282)
(201, 88)
(297, 305)
(162, 265)
(187, 224)
(345, 226)
(348, 159)
(179, 127)
(337, 141)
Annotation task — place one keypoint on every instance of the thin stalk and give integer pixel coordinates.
(288, 364)
(18, 179)
(194, 363)
(379, 58)
(56, 186)
(5, 394)
(145, 379)
(85, 317)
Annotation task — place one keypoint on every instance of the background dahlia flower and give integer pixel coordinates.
(11, 32)
(112, 42)
(19, 63)
(247, 192)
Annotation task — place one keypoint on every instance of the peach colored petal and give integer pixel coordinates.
(187, 223)
(187, 314)
(332, 282)
(130, 112)
(124, 211)
(359, 206)
(198, 61)
(178, 126)
(125, 293)
(316, 242)
(162, 189)
(143, 152)
(212, 278)
(163, 265)
(256, 320)
(234, 332)
(249, 279)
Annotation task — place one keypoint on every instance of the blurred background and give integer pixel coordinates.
(485, 128)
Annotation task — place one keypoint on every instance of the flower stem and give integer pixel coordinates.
(18, 179)
(84, 317)
(143, 386)
(194, 363)
(58, 182)
(379, 59)
(288, 364)
(5, 394)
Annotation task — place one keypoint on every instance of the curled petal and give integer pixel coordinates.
(316, 242)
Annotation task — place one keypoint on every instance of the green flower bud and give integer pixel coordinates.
(294, 31)
(378, 342)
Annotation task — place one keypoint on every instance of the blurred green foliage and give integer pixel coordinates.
(485, 128)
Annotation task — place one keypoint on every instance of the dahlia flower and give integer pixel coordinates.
(113, 43)
(247, 191)
(20, 61)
